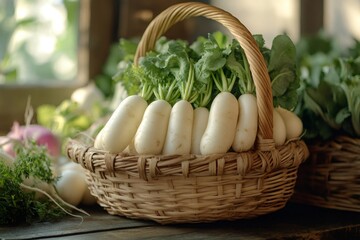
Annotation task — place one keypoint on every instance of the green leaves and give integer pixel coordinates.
(32, 160)
(330, 91)
(197, 72)
(351, 88)
(120, 59)
(67, 119)
(282, 71)
(16, 205)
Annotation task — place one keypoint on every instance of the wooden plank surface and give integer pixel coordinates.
(293, 222)
(98, 221)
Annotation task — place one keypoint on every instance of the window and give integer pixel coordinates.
(38, 54)
(40, 41)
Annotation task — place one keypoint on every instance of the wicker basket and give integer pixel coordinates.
(331, 176)
(198, 188)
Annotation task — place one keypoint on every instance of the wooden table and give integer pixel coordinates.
(292, 222)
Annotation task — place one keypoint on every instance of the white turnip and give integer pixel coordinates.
(40, 134)
(71, 186)
(86, 198)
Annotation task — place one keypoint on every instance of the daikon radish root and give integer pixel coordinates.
(220, 130)
(151, 134)
(178, 136)
(201, 116)
(247, 125)
(279, 129)
(123, 124)
(98, 140)
(293, 124)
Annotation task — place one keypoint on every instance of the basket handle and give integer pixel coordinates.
(182, 11)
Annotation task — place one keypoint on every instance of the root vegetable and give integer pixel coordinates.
(130, 149)
(151, 134)
(123, 124)
(247, 125)
(293, 124)
(220, 131)
(71, 186)
(201, 116)
(98, 140)
(41, 135)
(87, 198)
(178, 136)
(36, 183)
(279, 129)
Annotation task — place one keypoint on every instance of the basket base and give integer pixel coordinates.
(330, 177)
(198, 200)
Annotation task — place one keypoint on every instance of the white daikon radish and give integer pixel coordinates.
(247, 125)
(151, 134)
(98, 140)
(178, 136)
(201, 116)
(220, 130)
(293, 124)
(130, 149)
(279, 129)
(123, 124)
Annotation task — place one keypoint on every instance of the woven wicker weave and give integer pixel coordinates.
(331, 176)
(198, 188)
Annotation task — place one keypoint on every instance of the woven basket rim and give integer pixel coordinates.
(181, 11)
(291, 154)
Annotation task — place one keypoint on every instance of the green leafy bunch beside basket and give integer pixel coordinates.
(330, 109)
(330, 79)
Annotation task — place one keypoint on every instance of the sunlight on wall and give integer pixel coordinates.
(342, 19)
(265, 17)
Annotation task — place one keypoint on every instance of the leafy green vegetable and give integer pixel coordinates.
(121, 56)
(282, 71)
(67, 119)
(16, 205)
(351, 88)
(330, 91)
(198, 72)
